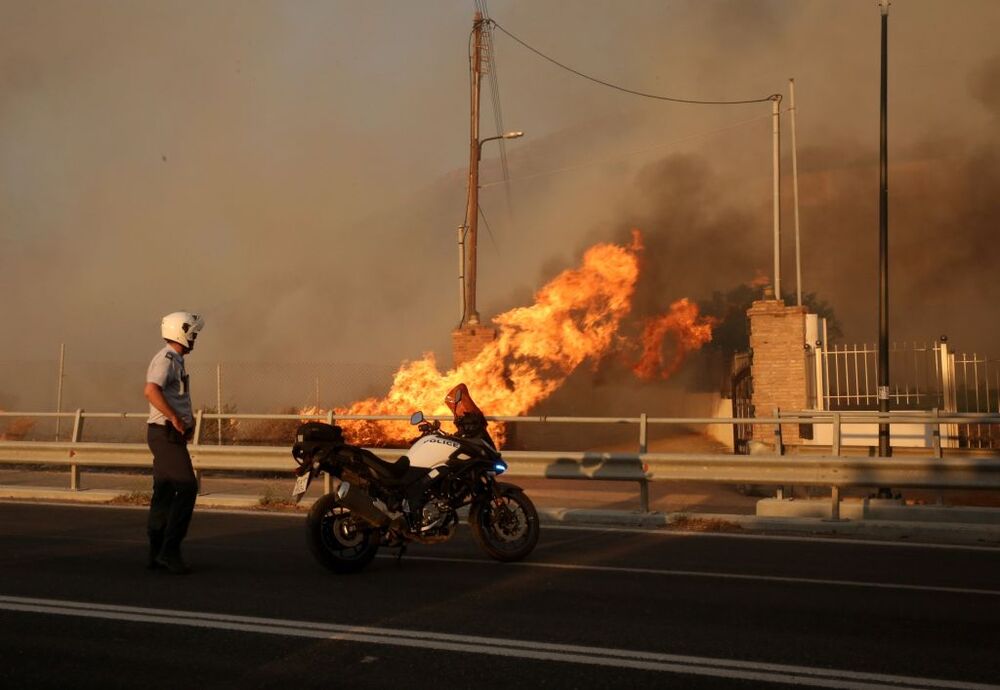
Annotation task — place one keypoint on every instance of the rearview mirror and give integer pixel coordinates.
(416, 418)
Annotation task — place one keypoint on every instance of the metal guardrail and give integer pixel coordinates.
(776, 468)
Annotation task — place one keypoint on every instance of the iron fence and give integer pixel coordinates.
(922, 377)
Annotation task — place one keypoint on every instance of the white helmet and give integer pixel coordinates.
(181, 327)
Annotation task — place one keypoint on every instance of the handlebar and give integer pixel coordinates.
(428, 427)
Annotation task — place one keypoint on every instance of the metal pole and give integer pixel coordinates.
(834, 503)
(643, 448)
(884, 449)
(795, 193)
(59, 393)
(776, 169)
(471, 316)
(74, 469)
(218, 400)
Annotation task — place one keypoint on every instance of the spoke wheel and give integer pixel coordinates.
(506, 527)
(336, 539)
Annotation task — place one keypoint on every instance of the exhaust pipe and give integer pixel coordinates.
(361, 504)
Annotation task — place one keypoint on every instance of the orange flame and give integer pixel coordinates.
(689, 332)
(575, 317)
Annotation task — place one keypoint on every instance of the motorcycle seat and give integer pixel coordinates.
(388, 472)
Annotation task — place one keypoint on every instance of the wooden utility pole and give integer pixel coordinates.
(471, 316)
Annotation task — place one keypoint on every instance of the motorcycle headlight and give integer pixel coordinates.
(500, 466)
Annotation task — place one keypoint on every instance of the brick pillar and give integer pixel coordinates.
(777, 338)
(469, 340)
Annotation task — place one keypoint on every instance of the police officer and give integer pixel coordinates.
(170, 426)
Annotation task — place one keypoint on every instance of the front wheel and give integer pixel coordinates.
(506, 525)
(337, 539)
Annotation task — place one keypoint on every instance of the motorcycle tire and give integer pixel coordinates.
(506, 528)
(339, 543)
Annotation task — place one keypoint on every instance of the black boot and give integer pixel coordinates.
(173, 562)
(155, 545)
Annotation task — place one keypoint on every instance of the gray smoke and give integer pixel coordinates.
(296, 171)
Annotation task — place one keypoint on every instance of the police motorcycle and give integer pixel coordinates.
(415, 499)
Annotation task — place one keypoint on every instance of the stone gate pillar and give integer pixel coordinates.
(468, 341)
(777, 339)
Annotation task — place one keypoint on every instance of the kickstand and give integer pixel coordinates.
(399, 554)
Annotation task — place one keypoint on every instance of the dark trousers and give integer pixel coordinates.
(175, 490)
(170, 513)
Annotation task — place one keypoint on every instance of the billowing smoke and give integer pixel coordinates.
(296, 172)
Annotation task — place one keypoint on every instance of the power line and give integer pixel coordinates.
(611, 159)
(624, 89)
(489, 230)
(491, 67)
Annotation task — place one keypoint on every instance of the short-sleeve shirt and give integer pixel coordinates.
(166, 370)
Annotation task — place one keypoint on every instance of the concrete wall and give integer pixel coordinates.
(902, 435)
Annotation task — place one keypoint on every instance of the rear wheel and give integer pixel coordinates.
(505, 526)
(337, 539)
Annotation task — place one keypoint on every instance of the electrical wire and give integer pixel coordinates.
(671, 99)
(489, 230)
(636, 152)
(491, 68)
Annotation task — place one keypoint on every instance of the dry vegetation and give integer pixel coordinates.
(277, 499)
(696, 524)
(132, 498)
(17, 428)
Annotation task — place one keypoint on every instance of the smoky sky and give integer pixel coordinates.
(295, 171)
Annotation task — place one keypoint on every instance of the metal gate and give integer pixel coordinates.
(741, 390)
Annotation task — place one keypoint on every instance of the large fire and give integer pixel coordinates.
(688, 330)
(576, 317)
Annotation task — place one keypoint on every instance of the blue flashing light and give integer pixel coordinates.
(500, 467)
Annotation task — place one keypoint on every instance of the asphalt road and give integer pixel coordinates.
(591, 608)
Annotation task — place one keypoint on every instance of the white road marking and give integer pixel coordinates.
(517, 649)
(706, 574)
(846, 540)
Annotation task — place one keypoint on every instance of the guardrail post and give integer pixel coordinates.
(329, 420)
(835, 504)
(643, 449)
(779, 446)
(196, 439)
(77, 426)
(779, 449)
(74, 469)
(835, 434)
(936, 435)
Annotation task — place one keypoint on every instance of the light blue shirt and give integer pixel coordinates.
(166, 370)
